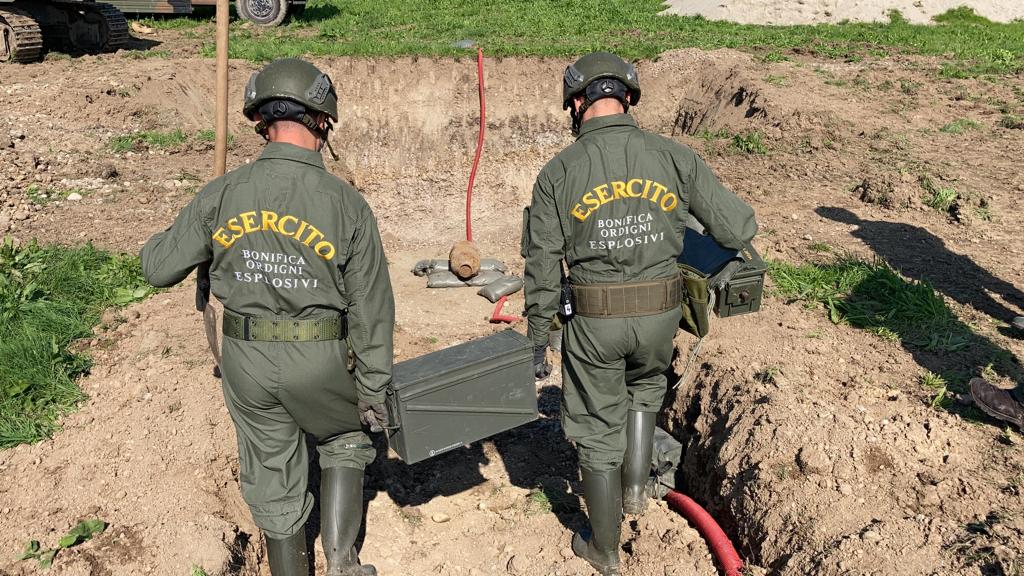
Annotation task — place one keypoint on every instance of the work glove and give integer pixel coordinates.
(541, 366)
(373, 415)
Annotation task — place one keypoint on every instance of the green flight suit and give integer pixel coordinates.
(614, 207)
(287, 240)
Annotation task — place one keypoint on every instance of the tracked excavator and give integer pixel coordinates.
(29, 27)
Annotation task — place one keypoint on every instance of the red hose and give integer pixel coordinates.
(497, 317)
(718, 542)
(479, 145)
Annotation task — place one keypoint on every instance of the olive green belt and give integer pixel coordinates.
(266, 330)
(623, 300)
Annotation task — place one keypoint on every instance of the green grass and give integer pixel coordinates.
(942, 199)
(539, 502)
(1012, 121)
(937, 197)
(939, 387)
(147, 54)
(198, 571)
(631, 28)
(959, 126)
(160, 139)
(750, 143)
(151, 139)
(872, 296)
(210, 135)
(51, 296)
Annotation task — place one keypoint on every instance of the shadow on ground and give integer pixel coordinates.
(950, 348)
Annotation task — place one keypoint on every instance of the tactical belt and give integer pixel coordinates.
(266, 330)
(623, 300)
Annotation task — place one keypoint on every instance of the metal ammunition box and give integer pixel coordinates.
(741, 293)
(450, 398)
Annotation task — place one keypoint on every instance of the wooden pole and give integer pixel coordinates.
(220, 160)
(221, 126)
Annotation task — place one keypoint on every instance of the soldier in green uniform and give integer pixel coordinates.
(295, 256)
(613, 207)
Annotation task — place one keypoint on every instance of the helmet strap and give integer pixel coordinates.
(598, 90)
(275, 110)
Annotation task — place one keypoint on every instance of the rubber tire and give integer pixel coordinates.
(267, 12)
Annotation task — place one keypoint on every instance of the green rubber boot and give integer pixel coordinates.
(603, 494)
(636, 465)
(341, 514)
(287, 556)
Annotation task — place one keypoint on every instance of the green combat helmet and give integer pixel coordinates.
(291, 89)
(620, 81)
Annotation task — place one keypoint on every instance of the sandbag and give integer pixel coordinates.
(503, 286)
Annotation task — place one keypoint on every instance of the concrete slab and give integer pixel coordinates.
(832, 11)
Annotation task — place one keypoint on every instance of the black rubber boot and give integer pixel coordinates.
(287, 556)
(636, 465)
(341, 514)
(603, 493)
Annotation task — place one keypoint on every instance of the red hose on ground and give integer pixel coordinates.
(497, 317)
(718, 542)
(479, 145)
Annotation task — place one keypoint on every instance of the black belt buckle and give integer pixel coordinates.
(246, 329)
(343, 327)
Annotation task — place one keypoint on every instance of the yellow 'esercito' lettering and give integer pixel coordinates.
(269, 221)
(619, 190)
(280, 225)
(594, 199)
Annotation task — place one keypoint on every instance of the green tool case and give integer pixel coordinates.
(447, 399)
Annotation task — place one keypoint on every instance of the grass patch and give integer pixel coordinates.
(198, 571)
(42, 196)
(939, 387)
(749, 143)
(942, 199)
(872, 296)
(939, 198)
(51, 296)
(959, 126)
(709, 136)
(138, 141)
(210, 135)
(1012, 121)
(174, 23)
(550, 498)
(909, 87)
(148, 139)
(768, 375)
(147, 54)
(632, 28)
(538, 502)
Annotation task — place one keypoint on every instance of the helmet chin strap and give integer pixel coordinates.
(325, 141)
